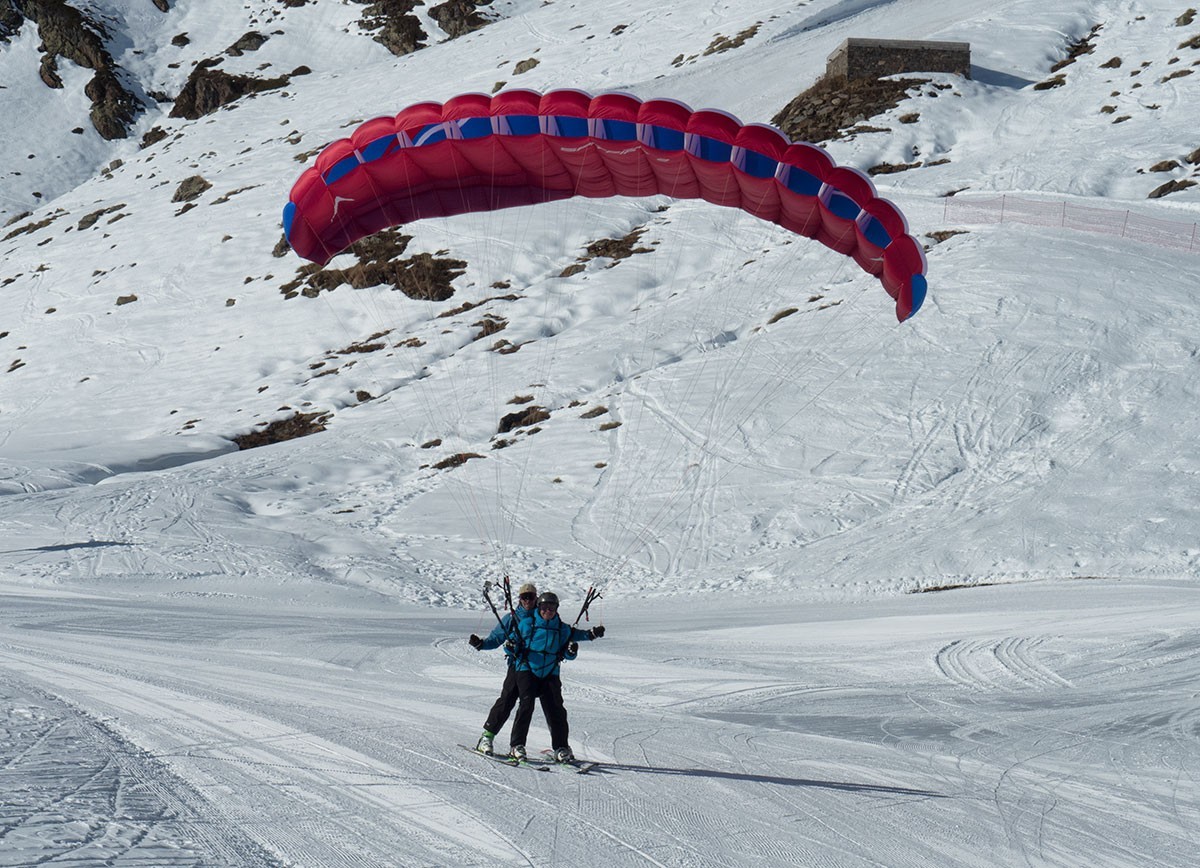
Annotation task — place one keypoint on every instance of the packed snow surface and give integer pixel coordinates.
(875, 593)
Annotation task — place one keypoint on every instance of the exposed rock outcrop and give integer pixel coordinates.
(394, 25)
(68, 33)
(251, 41)
(191, 189)
(10, 20)
(207, 89)
(459, 17)
(397, 29)
(1170, 187)
(830, 108)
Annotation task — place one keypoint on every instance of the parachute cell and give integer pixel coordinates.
(482, 153)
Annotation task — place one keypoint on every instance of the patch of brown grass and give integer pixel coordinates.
(1052, 82)
(522, 419)
(296, 425)
(456, 460)
(368, 345)
(90, 220)
(423, 276)
(488, 326)
(1078, 49)
(33, 227)
(892, 168)
(721, 44)
(618, 248)
(939, 237)
(470, 305)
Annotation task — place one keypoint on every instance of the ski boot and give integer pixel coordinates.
(485, 743)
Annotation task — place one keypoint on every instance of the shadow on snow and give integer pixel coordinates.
(844, 786)
(66, 547)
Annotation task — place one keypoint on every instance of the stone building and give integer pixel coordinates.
(873, 58)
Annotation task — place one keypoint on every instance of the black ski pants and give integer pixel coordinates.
(504, 705)
(530, 689)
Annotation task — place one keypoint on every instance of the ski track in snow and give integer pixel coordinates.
(75, 792)
(328, 738)
(258, 658)
(989, 664)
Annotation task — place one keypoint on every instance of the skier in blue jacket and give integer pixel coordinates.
(544, 641)
(506, 634)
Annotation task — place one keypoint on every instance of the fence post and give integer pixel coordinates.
(1192, 246)
(1064, 214)
(1125, 225)
(1003, 200)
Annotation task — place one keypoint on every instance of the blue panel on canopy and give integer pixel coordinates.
(430, 134)
(712, 150)
(341, 169)
(614, 131)
(289, 216)
(874, 232)
(919, 289)
(758, 165)
(520, 125)
(475, 128)
(664, 138)
(567, 127)
(841, 205)
(802, 182)
(379, 148)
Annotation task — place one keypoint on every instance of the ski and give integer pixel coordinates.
(505, 760)
(580, 766)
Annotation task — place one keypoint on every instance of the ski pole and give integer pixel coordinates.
(487, 595)
(592, 595)
(510, 632)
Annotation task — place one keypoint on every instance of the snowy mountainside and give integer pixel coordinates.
(222, 656)
(1001, 434)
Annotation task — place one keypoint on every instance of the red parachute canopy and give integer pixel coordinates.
(481, 153)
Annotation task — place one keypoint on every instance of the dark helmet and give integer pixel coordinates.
(548, 599)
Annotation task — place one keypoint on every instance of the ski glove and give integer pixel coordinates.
(476, 642)
(572, 649)
(597, 631)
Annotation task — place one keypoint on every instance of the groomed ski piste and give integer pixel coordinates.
(875, 593)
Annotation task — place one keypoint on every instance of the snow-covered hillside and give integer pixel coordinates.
(734, 425)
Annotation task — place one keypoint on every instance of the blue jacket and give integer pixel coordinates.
(544, 643)
(503, 631)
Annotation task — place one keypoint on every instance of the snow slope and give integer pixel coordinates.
(212, 656)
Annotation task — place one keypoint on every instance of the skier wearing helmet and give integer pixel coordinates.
(545, 641)
(505, 633)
